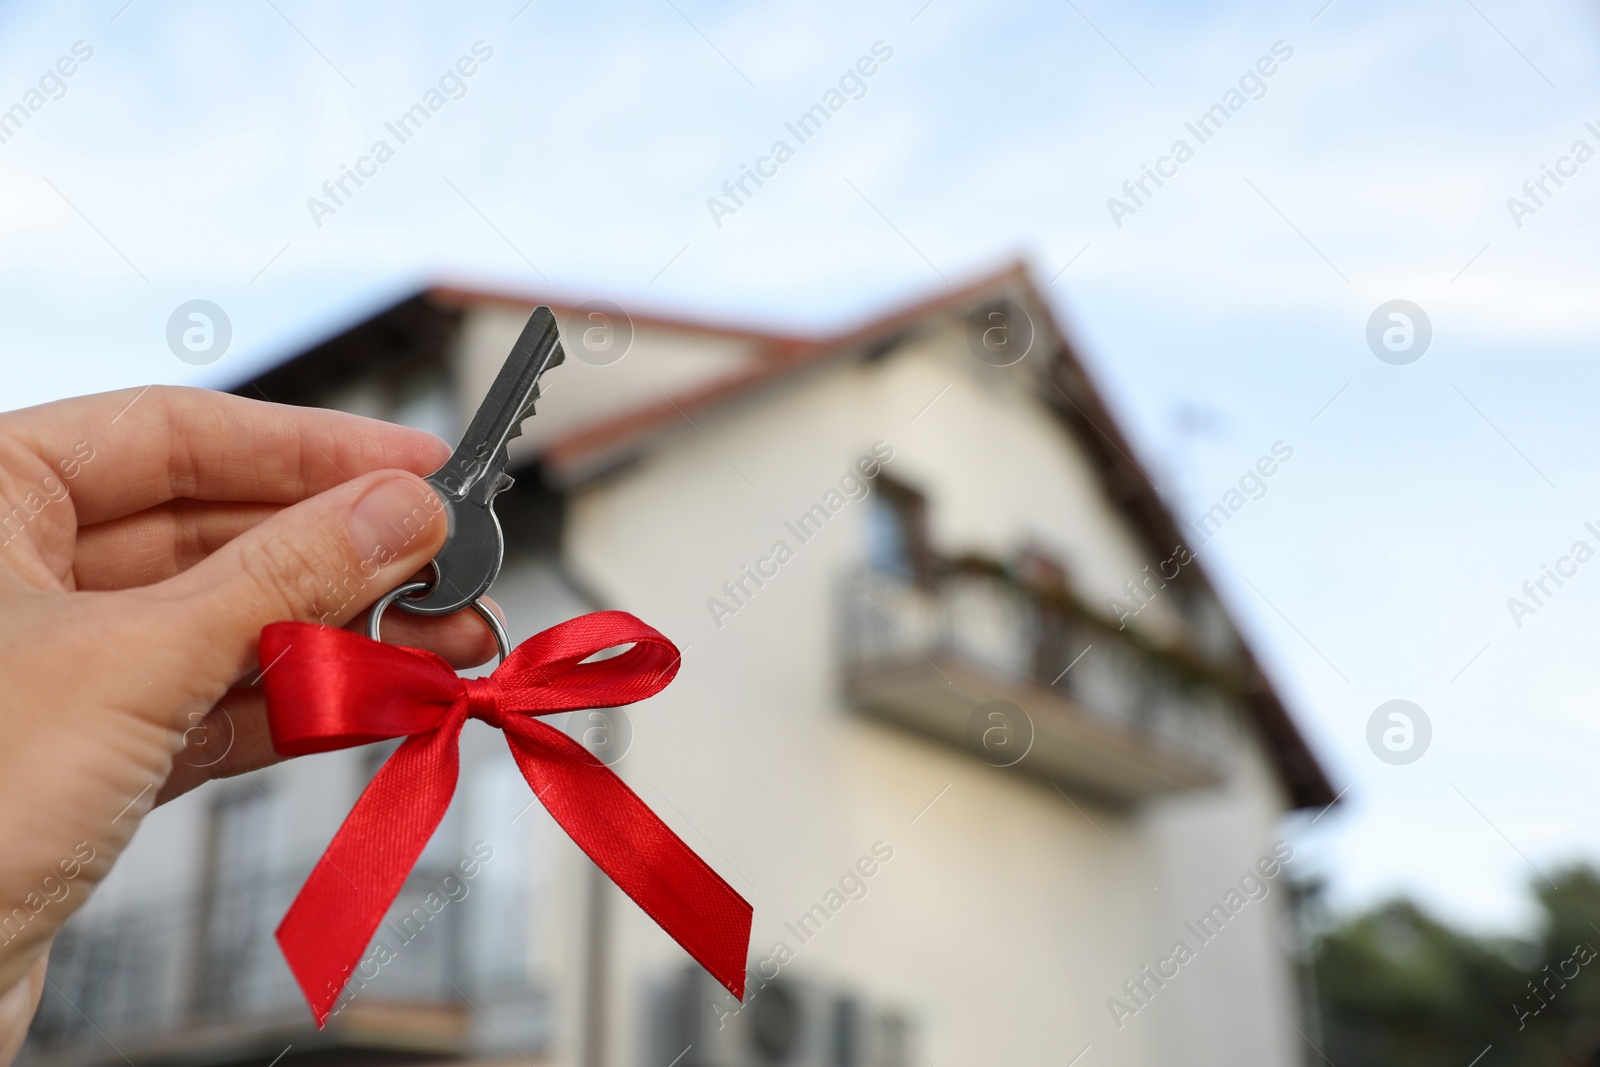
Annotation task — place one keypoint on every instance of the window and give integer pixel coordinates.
(897, 531)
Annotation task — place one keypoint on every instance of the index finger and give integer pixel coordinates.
(132, 449)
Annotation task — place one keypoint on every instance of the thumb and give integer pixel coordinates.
(321, 560)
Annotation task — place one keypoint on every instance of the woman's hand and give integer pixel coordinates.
(146, 537)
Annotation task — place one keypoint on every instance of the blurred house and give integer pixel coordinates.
(975, 815)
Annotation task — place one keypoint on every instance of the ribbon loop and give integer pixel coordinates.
(329, 688)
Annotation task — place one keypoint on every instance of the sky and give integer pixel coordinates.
(1222, 311)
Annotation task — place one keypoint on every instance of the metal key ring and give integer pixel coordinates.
(375, 620)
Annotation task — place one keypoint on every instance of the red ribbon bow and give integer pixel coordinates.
(329, 688)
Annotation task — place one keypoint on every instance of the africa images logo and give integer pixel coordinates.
(1399, 732)
(1203, 128)
(451, 85)
(852, 85)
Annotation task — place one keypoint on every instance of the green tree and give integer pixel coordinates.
(1396, 986)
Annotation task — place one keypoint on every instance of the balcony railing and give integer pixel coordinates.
(180, 979)
(1102, 708)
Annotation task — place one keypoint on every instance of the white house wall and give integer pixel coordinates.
(1005, 919)
(1211, 1015)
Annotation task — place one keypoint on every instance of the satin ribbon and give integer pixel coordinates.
(329, 689)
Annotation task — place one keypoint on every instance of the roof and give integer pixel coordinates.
(464, 295)
(781, 359)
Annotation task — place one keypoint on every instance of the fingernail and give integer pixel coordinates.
(391, 516)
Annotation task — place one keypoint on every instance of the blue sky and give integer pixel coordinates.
(579, 157)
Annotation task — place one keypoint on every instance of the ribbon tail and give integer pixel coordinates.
(638, 851)
(332, 921)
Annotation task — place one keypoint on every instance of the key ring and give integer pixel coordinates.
(375, 620)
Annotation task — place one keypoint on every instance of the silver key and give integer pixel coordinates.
(475, 473)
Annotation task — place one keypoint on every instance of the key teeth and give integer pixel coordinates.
(527, 412)
(557, 357)
(516, 430)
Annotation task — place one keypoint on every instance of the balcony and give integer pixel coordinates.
(175, 982)
(1030, 680)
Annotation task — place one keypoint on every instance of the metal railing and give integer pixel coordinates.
(981, 616)
(176, 964)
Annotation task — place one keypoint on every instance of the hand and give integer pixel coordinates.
(145, 540)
